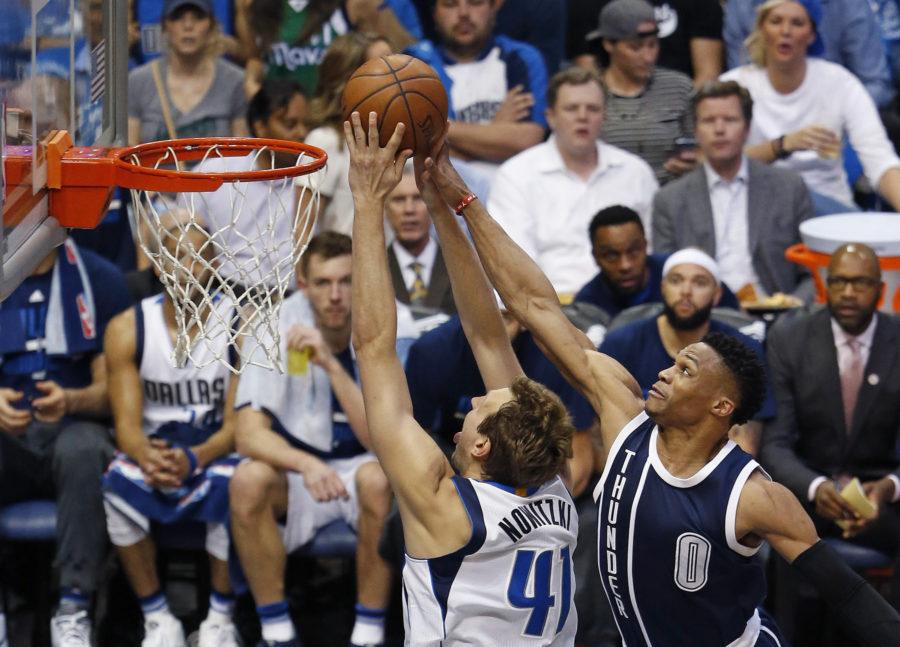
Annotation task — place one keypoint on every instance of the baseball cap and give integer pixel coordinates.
(171, 6)
(619, 20)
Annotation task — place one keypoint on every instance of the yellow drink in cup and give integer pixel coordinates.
(298, 361)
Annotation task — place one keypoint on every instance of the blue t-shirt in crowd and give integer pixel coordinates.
(598, 291)
(443, 378)
(517, 62)
(639, 348)
(20, 370)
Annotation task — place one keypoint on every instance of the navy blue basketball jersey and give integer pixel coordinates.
(671, 565)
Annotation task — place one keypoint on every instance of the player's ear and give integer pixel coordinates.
(723, 407)
(482, 448)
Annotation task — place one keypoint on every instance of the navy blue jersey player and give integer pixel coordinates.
(682, 509)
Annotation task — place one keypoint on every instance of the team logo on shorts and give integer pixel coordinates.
(691, 561)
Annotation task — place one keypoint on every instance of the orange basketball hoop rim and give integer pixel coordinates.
(81, 179)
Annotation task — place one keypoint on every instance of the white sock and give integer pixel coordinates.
(369, 626)
(276, 622)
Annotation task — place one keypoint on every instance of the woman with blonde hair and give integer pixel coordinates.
(190, 91)
(325, 122)
(803, 106)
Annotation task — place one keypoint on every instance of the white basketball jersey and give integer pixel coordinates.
(189, 395)
(511, 585)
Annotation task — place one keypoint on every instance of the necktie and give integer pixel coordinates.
(851, 380)
(418, 291)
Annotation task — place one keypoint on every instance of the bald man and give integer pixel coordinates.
(836, 376)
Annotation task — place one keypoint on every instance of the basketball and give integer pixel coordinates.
(399, 88)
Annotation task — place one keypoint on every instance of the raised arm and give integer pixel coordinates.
(769, 511)
(530, 297)
(413, 463)
(472, 294)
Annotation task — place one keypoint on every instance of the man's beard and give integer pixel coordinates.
(618, 291)
(690, 322)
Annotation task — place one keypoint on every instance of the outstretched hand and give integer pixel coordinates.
(374, 171)
(439, 171)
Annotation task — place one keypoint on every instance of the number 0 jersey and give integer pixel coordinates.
(511, 585)
(670, 562)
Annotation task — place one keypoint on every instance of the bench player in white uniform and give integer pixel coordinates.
(306, 435)
(175, 438)
(488, 551)
(706, 506)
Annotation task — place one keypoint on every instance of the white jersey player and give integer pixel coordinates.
(488, 551)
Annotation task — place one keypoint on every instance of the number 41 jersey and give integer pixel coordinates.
(511, 585)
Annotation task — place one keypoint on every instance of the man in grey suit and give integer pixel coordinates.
(739, 211)
(836, 377)
(415, 261)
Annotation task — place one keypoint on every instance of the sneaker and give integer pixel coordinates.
(218, 634)
(163, 631)
(70, 629)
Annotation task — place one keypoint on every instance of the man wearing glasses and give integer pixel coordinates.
(836, 377)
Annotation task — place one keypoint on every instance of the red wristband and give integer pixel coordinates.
(465, 202)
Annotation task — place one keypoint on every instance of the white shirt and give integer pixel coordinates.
(546, 208)
(845, 357)
(728, 199)
(333, 182)
(829, 96)
(405, 261)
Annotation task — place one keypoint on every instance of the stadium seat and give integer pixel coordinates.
(28, 521)
(337, 539)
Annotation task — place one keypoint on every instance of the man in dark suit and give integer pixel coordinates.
(836, 377)
(417, 267)
(742, 213)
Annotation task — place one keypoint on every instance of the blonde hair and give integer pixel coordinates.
(755, 42)
(343, 56)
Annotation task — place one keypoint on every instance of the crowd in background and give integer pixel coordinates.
(656, 159)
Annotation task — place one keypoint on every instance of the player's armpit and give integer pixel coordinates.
(769, 511)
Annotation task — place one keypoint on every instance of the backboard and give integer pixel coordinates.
(63, 66)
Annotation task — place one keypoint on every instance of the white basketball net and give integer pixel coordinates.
(227, 257)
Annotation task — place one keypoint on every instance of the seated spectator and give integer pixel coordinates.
(836, 377)
(417, 266)
(628, 276)
(496, 85)
(690, 35)
(174, 431)
(281, 39)
(325, 123)
(190, 91)
(545, 197)
(54, 443)
(691, 287)
(803, 105)
(647, 107)
(739, 211)
(306, 437)
(849, 37)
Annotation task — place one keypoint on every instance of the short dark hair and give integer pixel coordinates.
(274, 95)
(531, 436)
(720, 90)
(747, 370)
(615, 215)
(572, 75)
(328, 245)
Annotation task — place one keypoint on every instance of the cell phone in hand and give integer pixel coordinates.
(685, 144)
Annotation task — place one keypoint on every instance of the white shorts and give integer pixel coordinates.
(306, 516)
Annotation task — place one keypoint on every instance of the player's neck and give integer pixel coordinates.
(171, 320)
(685, 450)
(338, 340)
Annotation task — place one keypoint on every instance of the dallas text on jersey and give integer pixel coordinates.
(194, 392)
